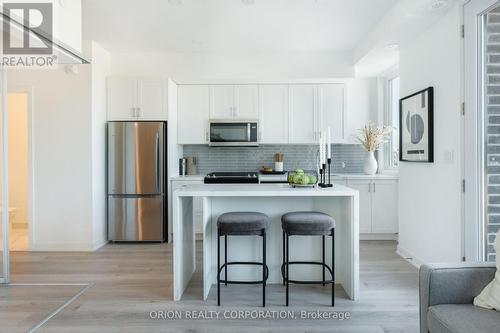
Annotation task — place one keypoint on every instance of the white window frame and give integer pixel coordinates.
(386, 118)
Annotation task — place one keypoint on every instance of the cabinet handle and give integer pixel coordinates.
(369, 187)
(206, 136)
(374, 188)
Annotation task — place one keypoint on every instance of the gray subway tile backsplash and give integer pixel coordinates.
(345, 158)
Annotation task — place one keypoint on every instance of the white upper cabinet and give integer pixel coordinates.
(152, 99)
(331, 110)
(193, 113)
(136, 99)
(122, 98)
(222, 102)
(246, 102)
(274, 112)
(234, 101)
(303, 125)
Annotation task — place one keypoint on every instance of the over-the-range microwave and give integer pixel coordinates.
(233, 133)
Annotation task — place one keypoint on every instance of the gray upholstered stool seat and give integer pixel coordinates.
(242, 223)
(307, 223)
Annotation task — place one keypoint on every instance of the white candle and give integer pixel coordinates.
(329, 143)
(321, 147)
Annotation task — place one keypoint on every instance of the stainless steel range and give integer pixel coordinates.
(232, 178)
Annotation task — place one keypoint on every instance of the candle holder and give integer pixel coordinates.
(329, 160)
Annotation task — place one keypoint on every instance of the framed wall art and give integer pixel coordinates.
(416, 127)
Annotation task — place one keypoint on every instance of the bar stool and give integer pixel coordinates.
(307, 224)
(242, 224)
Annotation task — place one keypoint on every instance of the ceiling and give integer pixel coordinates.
(231, 25)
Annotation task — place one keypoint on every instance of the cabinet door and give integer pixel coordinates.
(331, 110)
(365, 204)
(221, 101)
(122, 98)
(385, 207)
(193, 105)
(246, 102)
(274, 114)
(152, 101)
(303, 127)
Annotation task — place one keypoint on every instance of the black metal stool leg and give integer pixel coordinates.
(287, 266)
(225, 259)
(218, 267)
(333, 267)
(283, 260)
(323, 260)
(264, 267)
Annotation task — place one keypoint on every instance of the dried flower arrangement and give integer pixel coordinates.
(372, 137)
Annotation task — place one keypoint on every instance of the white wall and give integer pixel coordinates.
(100, 59)
(69, 160)
(430, 194)
(18, 156)
(188, 66)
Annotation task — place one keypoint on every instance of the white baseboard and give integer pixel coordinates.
(410, 257)
(391, 237)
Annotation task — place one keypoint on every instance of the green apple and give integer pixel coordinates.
(299, 171)
(312, 179)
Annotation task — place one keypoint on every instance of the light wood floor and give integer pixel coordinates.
(129, 281)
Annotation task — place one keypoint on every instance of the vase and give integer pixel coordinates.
(370, 166)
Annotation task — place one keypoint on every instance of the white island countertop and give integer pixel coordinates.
(237, 190)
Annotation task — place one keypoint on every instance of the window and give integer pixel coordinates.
(391, 118)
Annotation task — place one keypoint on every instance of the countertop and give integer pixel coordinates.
(335, 176)
(261, 190)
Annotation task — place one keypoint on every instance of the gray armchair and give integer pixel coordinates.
(446, 299)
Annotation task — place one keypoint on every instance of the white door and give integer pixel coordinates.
(303, 127)
(246, 102)
(331, 110)
(384, 207)
(480, 64)
(122, 98)
(193, 106)
(365, 204)
(274, 114)
(152, 99)
(222, 102)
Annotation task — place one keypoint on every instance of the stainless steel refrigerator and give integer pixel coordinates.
(136, 181)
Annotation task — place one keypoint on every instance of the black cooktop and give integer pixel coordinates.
(232, 178)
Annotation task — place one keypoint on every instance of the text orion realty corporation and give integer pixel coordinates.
(248, 314)
(27, 32)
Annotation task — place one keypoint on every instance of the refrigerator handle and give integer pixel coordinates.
(157, 160)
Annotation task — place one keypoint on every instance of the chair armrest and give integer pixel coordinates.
(451, 284)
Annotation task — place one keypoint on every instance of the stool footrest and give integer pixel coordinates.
(285, 279)
(266, 272)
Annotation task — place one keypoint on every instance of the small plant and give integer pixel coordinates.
(372, 137)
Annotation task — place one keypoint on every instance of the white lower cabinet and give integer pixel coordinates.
(378, 206)
(197, 202)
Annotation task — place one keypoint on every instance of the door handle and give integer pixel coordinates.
(248, 132)
(157, 156)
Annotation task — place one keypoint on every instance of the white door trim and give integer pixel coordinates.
(29, 90)
(474, 136)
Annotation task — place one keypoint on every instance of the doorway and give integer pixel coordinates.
(19, 179)
(481, 128)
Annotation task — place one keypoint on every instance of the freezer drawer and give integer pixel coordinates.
(135, 158)
(135, 219)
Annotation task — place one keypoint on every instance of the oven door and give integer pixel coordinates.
(232, 133)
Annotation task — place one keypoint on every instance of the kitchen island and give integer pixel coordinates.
(341, 202)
